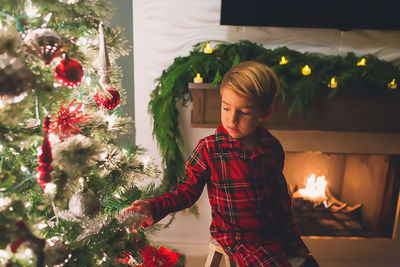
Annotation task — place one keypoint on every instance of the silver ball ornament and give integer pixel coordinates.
(84, 204)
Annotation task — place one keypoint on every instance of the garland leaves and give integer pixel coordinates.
(300, 90)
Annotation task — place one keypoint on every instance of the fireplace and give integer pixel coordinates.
(344, 194)
(359, 168)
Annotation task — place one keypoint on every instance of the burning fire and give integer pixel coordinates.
(315, 189)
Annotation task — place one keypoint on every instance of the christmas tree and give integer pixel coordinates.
(64, 176)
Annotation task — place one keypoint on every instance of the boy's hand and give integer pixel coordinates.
(140, 208)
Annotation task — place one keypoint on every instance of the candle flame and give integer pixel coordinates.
(208, 49)
(306, 70)
(392, 84)
(198, 78)
(283, 61)
(333, 83)
(362, 62)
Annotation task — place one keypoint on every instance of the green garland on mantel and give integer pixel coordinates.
(172, 86)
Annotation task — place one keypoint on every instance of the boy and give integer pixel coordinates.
(241, 164)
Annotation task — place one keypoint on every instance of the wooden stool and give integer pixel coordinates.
(215, 255)
(216, 252)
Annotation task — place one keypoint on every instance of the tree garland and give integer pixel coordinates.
(366, 74)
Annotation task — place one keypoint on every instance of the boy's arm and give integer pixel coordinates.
(291, 235)
(188, 190)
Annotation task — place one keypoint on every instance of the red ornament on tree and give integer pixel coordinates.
(109, 99)
(68, 117)
(45, 158)
(24, 234)
(69, 72)
(154, 257)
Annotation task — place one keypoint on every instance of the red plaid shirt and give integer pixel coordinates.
(247, 190)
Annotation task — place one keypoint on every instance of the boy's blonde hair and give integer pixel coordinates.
(252, 79)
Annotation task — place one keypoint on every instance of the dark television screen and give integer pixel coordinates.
(338, 14)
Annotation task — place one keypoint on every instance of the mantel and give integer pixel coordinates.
(343, 113)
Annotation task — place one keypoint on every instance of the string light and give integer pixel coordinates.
(4, 256)
(208, 49)
(31, 11)
(41, 226)
(198, 79)
(333, 83)
(50, 189)
(4, 202)
(362, 62)
(88, 80)
(392, 84)
(306, 70)
(283, 61)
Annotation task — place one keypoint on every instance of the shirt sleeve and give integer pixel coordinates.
(188, 190)
(290, 231)
(291, 235)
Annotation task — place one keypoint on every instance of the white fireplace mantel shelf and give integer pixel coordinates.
(339, 142)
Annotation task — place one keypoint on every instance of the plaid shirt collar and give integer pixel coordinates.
(224, 140)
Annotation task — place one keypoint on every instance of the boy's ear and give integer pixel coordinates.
(267, 114)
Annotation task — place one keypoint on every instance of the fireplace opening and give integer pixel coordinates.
(342, 194)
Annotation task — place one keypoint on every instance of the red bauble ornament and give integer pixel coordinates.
(109, 99)
(69, 72)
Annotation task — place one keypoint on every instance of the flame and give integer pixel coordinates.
(315, 189)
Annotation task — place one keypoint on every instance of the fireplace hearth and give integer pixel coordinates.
(363, 199)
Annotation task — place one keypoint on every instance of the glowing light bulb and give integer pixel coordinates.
(31, 11)
(333, 83)
(392, 84)
(50, 189)
(362, 62)
(283, 61)
(208, 49)
(4, 202)
(28, 253)
(88, 80)
(198, 79)
(306, 70)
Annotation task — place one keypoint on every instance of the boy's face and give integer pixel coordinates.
(240, 115)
